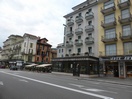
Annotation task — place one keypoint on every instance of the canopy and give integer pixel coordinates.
(44, 65)
(31, 65)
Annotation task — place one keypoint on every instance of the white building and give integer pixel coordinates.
(60, 50)
(29, 47)
(80, 41)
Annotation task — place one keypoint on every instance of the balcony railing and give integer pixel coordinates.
(109, 38)
(78, 31)
(79, 19)
(69, 44)
(89, 28)
(89, 40)
(115, 52)
(125, 18)
(109, 8)
(127, 35)
(70, 22)
(108, 23)
(80, 54)
(78, 42)
(89, 15)
(123, 3)
(69, 33)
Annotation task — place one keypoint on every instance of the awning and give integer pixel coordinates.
(31, 65)
(44, 65)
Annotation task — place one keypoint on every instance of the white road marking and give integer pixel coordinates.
(23, 80)
(80, 86)
(63, 87)
(1, 83)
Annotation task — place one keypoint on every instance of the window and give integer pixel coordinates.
(69, 51)
(70, 28)
(90, 35)
(79, 50)
(25, 44)
(62, 50)
(37, 58)
(109, 34)
(109, 18)
(79, 14)
(125, 13)
(109, 4)
(70, 39)
(79, 25)
(59, 50)
(89, 22)
(89, 10)
(123, 1)
(126, 30)
(90, 49)
(79, 37)
(128, 48)
(110, 49)
(31, 45)
(43, 47)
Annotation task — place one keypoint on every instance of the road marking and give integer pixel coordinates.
(23, 80)
(80, 86)
(1, 83)
(59, 86)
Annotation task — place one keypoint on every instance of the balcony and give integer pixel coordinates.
(108, 53)
(78, 31)
(89, 15)
(89, 28)
(123, 4)
(69, 33)
(70, 22)
(111, 22)
(109, 38)
(126, 18)
(78, 42)
(126, 36)
(69, 44)
(89, 40)
(79, 19)
(108, 9)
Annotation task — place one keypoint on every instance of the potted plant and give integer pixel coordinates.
(86, 53)
(73, 54)
(78, 53)
(67, 55)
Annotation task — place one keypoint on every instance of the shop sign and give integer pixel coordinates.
(121, 58)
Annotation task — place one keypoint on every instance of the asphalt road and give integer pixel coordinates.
(32, 85)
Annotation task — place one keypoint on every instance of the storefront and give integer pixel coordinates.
(117, 66)
(87, 65)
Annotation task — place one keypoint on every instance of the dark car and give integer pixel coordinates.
(13, 68)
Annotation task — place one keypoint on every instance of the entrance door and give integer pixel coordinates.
(76, 70)
(116, 71)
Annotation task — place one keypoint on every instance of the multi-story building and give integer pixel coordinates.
(115, 37)
(43, 51)
(80, 40)
(0, 54)
(29, 47)
(60, 50)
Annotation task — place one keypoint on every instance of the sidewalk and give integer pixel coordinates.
(112, 80)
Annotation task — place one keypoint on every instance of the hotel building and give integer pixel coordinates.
(115, 37)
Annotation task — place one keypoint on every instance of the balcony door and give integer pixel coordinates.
(125, 13)
(126, 30)
(109, 18)
(110, 34)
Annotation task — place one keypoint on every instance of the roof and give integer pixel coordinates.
(44, 44)
(42, 39)
(26, 34)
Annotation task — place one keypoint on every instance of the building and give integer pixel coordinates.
(60, 50)
(29, 47)
(53, 53)
(80, 41)
(0, 55)
(115, 39)
(43, 51)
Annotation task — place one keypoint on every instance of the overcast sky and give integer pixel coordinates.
(42, 18)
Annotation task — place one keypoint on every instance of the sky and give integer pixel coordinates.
(42, 18)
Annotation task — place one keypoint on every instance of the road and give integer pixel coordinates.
(32, 85)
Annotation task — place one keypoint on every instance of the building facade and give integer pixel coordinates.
(43, 51)
(29, 47)
(80, 41)
(115, 39)
(60, 50)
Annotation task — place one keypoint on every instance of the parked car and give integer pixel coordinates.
(2, 66)
(13, 67)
